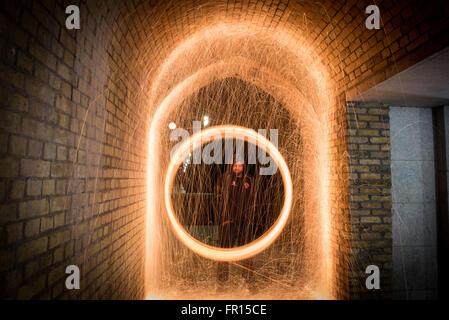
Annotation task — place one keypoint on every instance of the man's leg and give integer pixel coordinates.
(223, 273)
(225, 242)
(245, 236)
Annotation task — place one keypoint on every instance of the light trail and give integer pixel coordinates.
(282, 64)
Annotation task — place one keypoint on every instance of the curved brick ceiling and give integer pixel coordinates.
(333, 30)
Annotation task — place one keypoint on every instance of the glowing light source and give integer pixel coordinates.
(172, 126)
(205, 121)
(258, 245)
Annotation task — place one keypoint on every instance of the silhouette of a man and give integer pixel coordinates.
(236, 197)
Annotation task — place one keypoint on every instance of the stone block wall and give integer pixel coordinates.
(415, 247)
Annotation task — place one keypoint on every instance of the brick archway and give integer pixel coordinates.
(76, 115)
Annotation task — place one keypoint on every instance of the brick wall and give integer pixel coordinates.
(339, 210)
(370, 196)
(74, 122)
(72, 171)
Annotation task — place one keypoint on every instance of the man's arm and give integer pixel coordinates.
(218, 189)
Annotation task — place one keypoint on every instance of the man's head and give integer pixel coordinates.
(237, 167)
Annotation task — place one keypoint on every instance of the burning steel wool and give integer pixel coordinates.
(241, 199)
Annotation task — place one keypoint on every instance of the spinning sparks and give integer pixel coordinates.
(260, 244)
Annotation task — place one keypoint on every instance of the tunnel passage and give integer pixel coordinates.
(224, 102)
(77, 111)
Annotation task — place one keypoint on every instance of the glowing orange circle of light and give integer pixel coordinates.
(254, 247)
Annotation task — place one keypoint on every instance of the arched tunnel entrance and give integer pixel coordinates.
(241, 75)
(89, 119)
